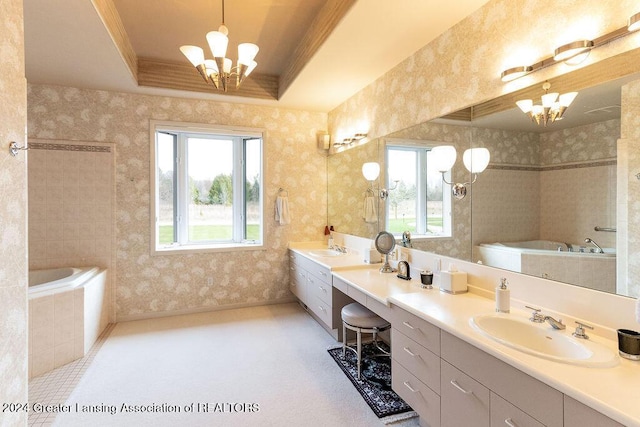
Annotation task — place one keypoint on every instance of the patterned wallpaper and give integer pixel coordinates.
(13, 216)
(148, 284)
(629, 186)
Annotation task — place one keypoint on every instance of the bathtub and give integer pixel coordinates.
(68, 309)
(549, 245)
(47, 281)
(551, 260)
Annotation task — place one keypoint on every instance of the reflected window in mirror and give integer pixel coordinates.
(418, 203)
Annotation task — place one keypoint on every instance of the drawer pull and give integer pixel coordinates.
(322, 289)
(411, 389)
(310, 280)
(408, 325)
(456, 385)
(409, 352)
(510, 422)
(322, 273)
(322, 309)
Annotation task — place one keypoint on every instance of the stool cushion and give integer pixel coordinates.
(357, 315)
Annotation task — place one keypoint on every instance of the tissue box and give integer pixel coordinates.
(372, 256)
(453, 282)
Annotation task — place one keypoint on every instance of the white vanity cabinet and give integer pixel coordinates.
(311, 283)
(415, 364)
(451, 383)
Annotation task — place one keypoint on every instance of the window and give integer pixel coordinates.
(418, 203)
(207, 187)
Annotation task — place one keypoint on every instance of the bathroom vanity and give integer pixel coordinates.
(453, 375)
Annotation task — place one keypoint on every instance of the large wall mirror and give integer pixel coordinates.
(547, 202)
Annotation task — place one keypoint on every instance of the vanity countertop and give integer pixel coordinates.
(351, 260)
(613, 391)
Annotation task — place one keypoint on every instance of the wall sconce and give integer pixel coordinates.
(475, 160)
(324, 140)
(371, 171)
(571, 50)
(572, 53)
(348, 140)
(634, 22)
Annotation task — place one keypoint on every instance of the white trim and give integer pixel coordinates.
(186, 128)
(159, 314)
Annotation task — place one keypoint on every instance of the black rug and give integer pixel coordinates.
(375, 381)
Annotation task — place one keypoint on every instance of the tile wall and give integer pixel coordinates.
(71, 204)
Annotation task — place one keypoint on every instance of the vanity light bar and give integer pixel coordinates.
(572, 50)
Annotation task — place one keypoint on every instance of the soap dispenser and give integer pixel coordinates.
(503, 295)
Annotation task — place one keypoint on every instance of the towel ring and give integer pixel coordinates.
(283, 192)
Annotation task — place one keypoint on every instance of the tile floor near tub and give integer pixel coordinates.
(54, 387)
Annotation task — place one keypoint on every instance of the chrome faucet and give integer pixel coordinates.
(589, 240)
(536, 317)
(569, 247)
(555, 324)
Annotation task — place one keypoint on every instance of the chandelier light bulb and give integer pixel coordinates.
(371, 170)
(476, 160)
(194, 54)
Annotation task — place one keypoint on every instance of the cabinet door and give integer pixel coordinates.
(297, 281)
(577, 414)
(504, 414)
(463, 401)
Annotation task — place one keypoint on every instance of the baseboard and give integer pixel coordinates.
(154, 315)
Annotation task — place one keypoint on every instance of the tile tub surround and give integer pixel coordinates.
(65, 323)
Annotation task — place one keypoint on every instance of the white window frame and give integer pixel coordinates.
(185, 130)
(421, 147)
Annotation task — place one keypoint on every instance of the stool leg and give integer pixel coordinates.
(359, 344)
(344, 340)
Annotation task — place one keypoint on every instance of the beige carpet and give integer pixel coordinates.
(262, 366)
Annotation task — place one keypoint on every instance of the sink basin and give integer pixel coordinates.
(325, 252)
(543, 341)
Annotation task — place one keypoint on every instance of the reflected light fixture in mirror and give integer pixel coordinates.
(475, 160)
(552, 108)
(371, 171)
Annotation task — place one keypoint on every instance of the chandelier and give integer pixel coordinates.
(552, 108)
(219, 71)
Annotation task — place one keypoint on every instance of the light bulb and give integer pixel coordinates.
(194, 54)
(444, 157)
(371, 170)
(476, 160)
(217, 43)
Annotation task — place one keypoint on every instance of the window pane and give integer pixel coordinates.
(252, 192)
(402, 205)
(210, 171)
(166, 188)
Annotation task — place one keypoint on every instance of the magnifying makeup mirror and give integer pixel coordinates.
(385, 244)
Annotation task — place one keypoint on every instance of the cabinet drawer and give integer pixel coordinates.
(421, 398)
(297, 290)
(297, 274)
(321, 272)
(419, 361)
(419, 330)
(534, 397)
(465, 402)
(319, 288)
(504, 414)
(321, 309)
